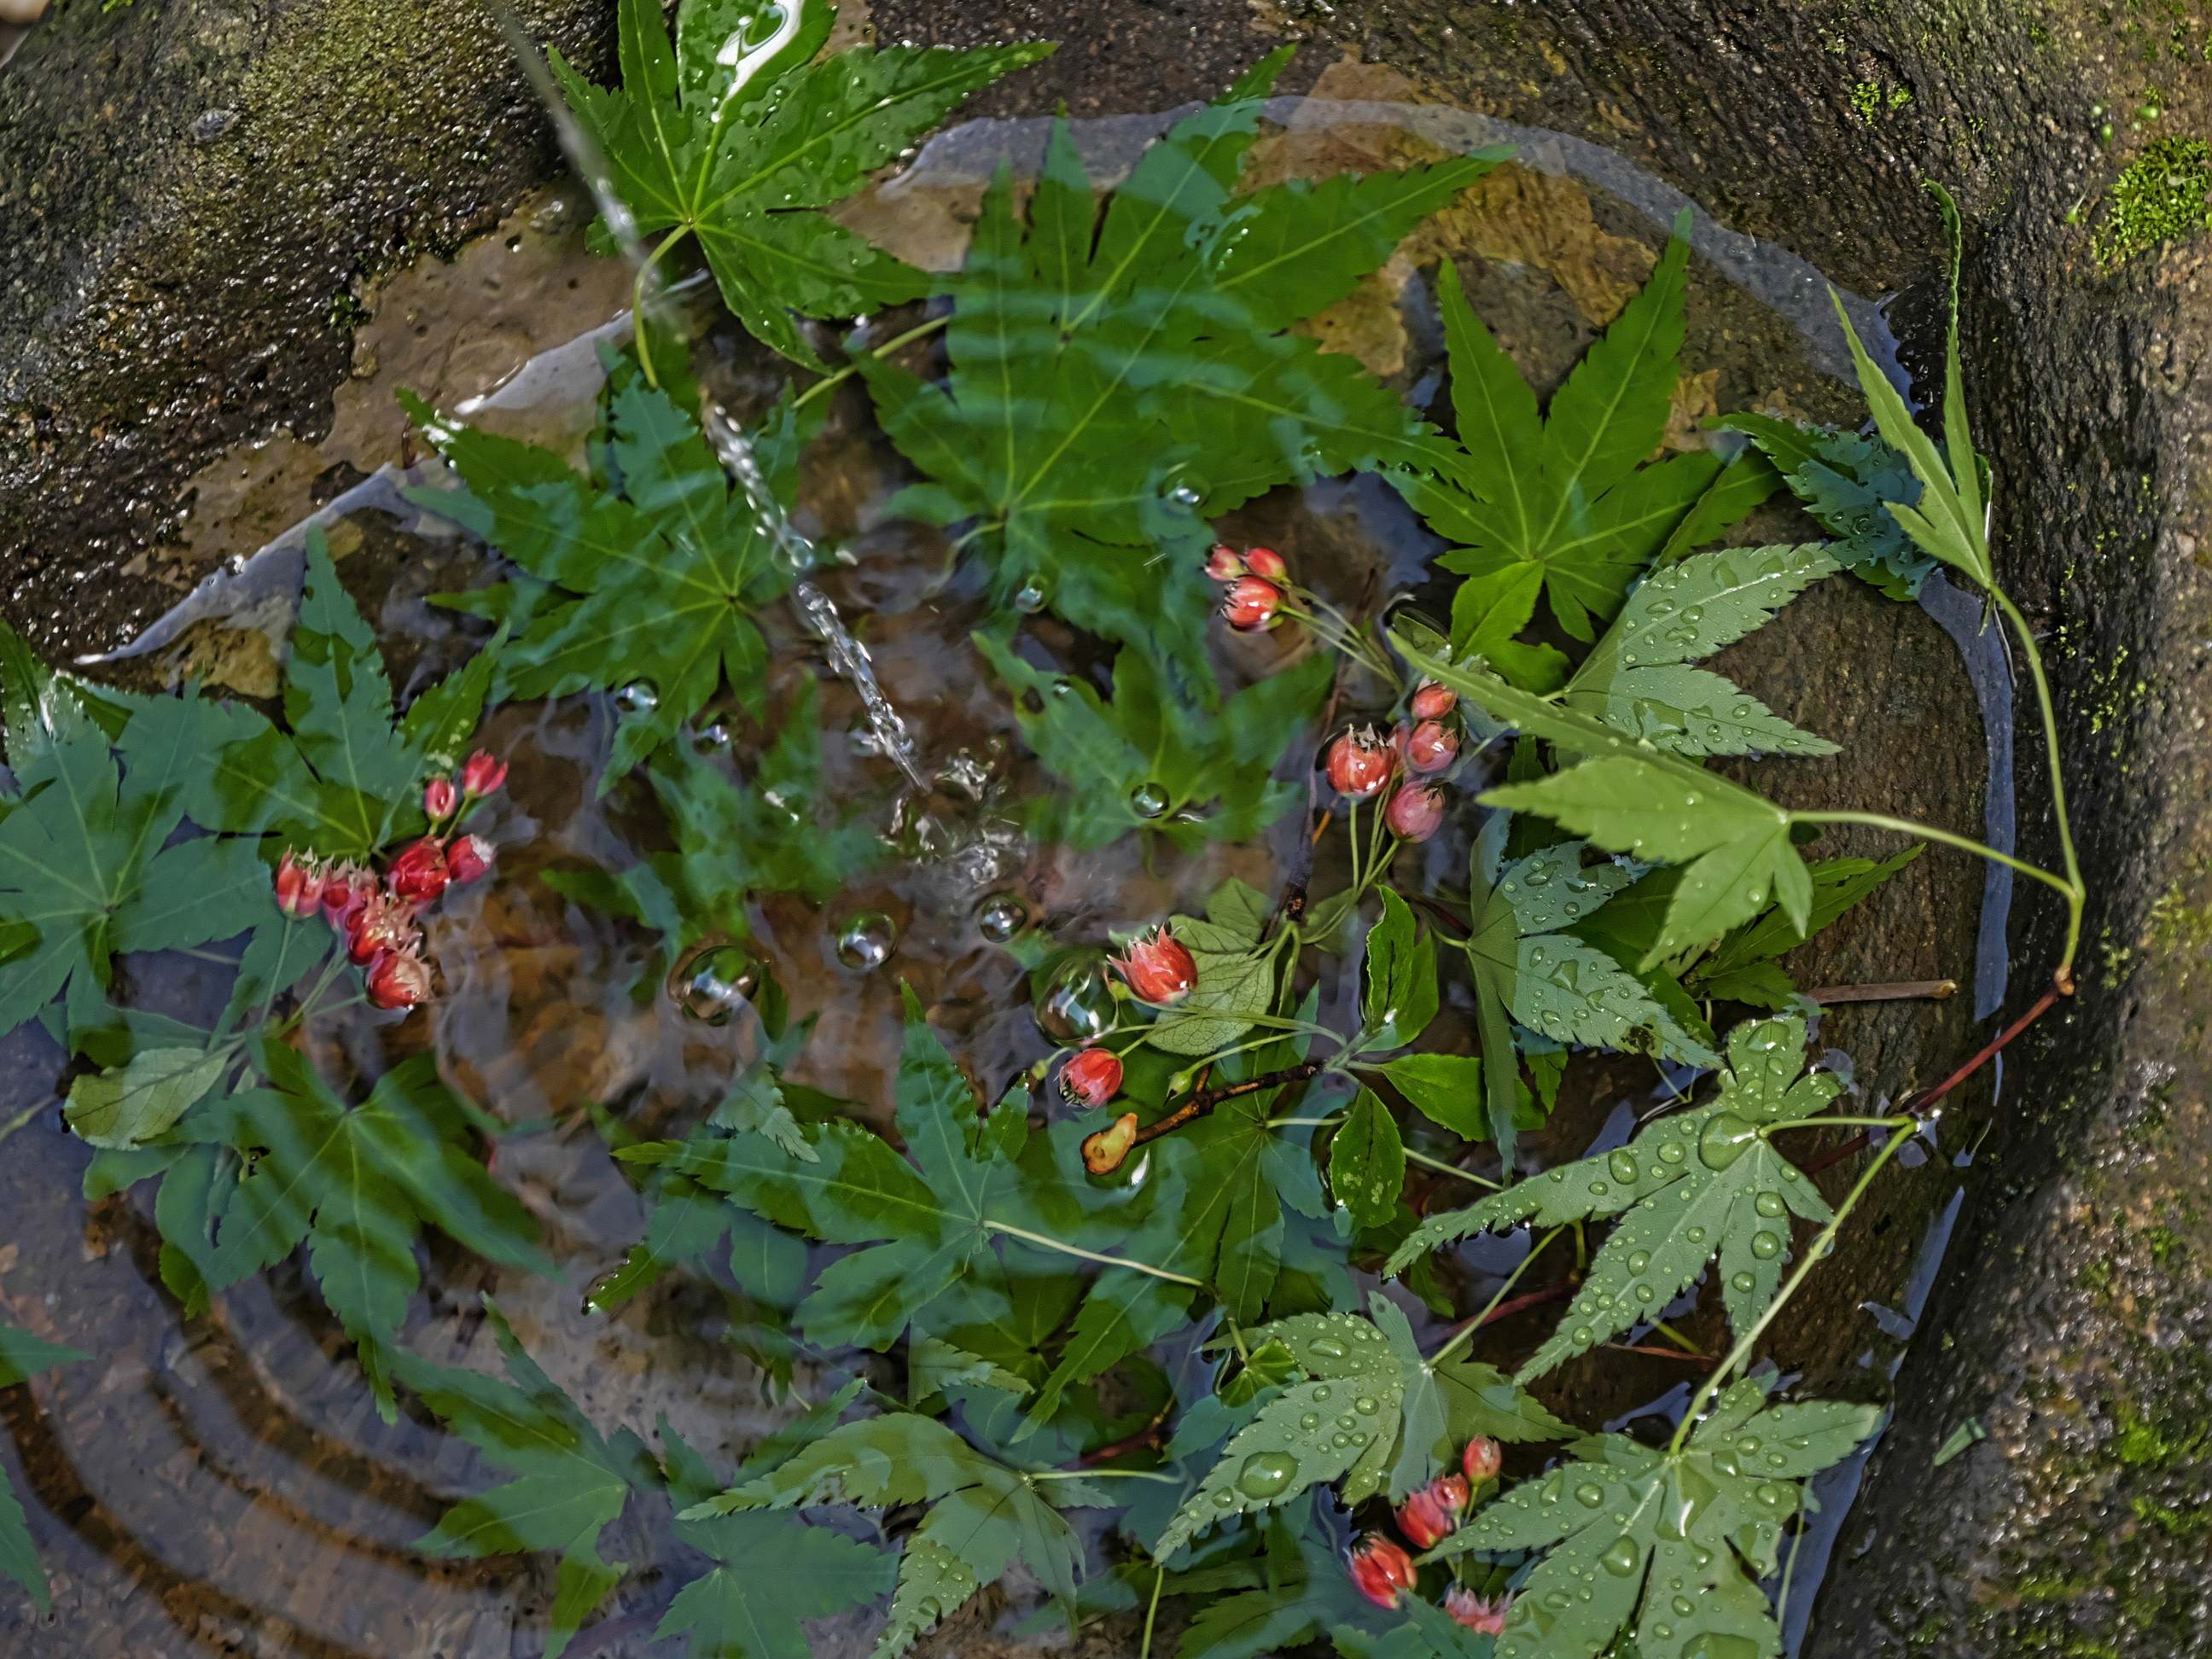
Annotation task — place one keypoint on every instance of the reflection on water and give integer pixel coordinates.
(223, 1482)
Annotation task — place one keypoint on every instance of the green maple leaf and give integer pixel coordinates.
(1637, 678)
(1136, 763)
(1528, 967)
(1118, 379)
(645, 574)
(1844, 479)
(23, 1357)
(85, 869)
(1370, 1410)
(1741, 968)
(355, 1183)
(734, 136)
(1671, 1542)
(1629, 796)
(1696, 1186)
(734, 838)
(983, 1513)
(344, 779)
(1561, 504)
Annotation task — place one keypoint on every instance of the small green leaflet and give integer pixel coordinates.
(646, 572)
(85, 873)
(1689, 1188)
(1634, 798)
(1365, 1380)
(43, 710)
(1120, 379)
(736, 138)
(983, 1513)
(1740, 966)
(23, 1357)
(355, 1183)
(1673, 1543)
(1193, 776)
(571, 1482)
(1446, 1089)
(1636, 679)
(1367, 1161)
(734, 837)
(126, 1106)
(1845, 479)
(1561, 504)
(344, 779)
(1236, 973)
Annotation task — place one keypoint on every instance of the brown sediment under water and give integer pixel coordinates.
(222, 1482)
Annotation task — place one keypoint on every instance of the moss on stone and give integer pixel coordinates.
(2159, 199)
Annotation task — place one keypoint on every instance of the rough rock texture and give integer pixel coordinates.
(189, 191)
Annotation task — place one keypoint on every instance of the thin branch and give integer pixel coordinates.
(1910, 990)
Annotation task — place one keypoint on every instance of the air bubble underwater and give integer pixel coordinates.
(1076, 1003)
(866, 940)
(718, 982)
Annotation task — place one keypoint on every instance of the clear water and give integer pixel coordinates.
(222, 1483)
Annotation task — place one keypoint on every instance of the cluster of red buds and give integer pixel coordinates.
(1383, 1571)
(1254, 582)
(1362, 764)
(377, 917)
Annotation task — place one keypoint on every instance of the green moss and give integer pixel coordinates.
(2160, 198)
(1866, 99)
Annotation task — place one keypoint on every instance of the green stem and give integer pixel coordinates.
(1413, 1157)
(1051, 1243)
(1846, 1122)
(22, 1118)
(1677, 1337)
(1467, 1332)
(883, 350)
(1906, 826)
(1741, 1351)
(1104, 1475)
(637, 288)
(1160, 1578)
(2057, 776)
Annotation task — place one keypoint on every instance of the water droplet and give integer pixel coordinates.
(1309, 1421)
(1741, 711)
(1799, 1443)
(866, 940)
(1599, 1189)
(1265, 1475)
(1623, 1165)
(1767, 1493)
(1672, 1152)
(1769, 1205)
(1683, 1606)
(1725, 1461)
(1745, 1282)
(1076, 1004)
(1031, 599)
(715, 735)
(636, 699)
(1749, 1443)
(1323, 1393)
(1662, 608)
(1148, 800)
(1694, 615)
(1664, 1633)
(1366, 1406)
(1326, 1346)
(1583, 1334)
(1341, 1439)
(1623, 1559)
(1777, 1460)
(1765, 1246)
(1225, 1499)
(719, 982)
(1539, 876)
(1638, 1262)
(1559, 1600)
(1646, 1293)
(1695, 1235)
(1001, 916)
(1726, 1138)
(1590, 1495)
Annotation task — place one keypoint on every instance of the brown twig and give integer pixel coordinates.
(1207, 1099)
(1910, 990)
(1148, 1435)
(1707, 1360)
(2059, 986)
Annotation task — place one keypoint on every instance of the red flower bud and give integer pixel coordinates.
(1432, 701)
(1361, 763)
(1093, 1077)
(300, 884)
(1453, 1492)
(1415, 811)
(1424, 1521)
(1157, 968)
(482, 775)
(1266, 562)
(440, 798)
(470, 857)
(398, 979)
(1431, 746)
(346, 891)
(1470, 1610)
(1380, 1570)
(1482, 1459)
(1251, 606)
(383, 923)
(419, 873)
(1223, 565)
